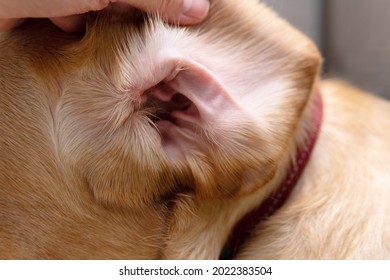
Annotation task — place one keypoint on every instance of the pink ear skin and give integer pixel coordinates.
(194, 99)
(206, 99)
(203, 89)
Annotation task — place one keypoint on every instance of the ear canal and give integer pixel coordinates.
(203, 89)
(198, 88)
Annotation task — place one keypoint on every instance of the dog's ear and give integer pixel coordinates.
(247, 88)
(261, 72)
(213, 136)
(269, 70)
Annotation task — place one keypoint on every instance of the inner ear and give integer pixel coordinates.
(191, 94)
(188, 99)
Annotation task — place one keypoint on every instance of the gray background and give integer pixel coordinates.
(353, 35)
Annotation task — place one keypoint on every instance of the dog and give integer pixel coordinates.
(142, 140)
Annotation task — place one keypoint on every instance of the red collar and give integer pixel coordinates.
(243, 229)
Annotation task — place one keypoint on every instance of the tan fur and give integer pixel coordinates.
(340, 207)
(85, 172)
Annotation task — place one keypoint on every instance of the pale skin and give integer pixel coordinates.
(69, 15)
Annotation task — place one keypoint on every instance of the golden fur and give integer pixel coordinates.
(87, 171)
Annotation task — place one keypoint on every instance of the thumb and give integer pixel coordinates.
(175, 11)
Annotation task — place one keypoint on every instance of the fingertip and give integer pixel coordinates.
(194, 11)
(182, 12)
(71, 24)
(8, 24)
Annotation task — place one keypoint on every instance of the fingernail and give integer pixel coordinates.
(195, 9)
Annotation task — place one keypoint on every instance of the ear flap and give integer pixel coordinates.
(210, 135)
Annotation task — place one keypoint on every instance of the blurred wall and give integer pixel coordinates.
(358, 42)
(304, 14)
(353, 35)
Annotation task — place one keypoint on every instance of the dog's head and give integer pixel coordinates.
(136, 109)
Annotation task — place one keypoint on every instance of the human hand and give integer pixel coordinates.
(70, 15)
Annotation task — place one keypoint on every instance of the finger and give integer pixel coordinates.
(71, 24)
(193, 12)
(177, 11)
(7, 24)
